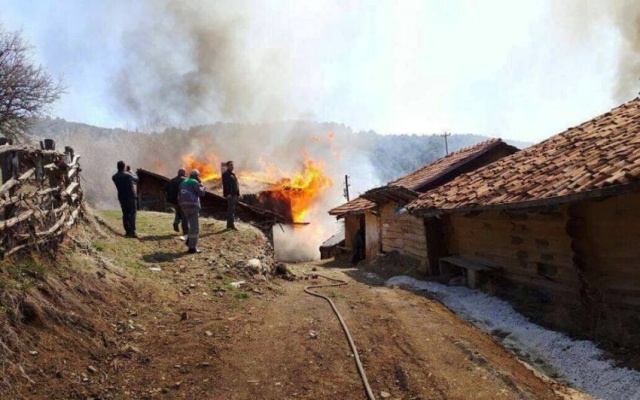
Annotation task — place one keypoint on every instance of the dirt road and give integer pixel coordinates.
(411, 347)
(174, 327)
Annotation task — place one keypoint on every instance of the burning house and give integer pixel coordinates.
(152, 197)
(266, 198)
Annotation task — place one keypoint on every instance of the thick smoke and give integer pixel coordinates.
(626, 16)
(618, 20)
(189, 62)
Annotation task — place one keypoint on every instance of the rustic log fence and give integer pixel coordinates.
(40, 195)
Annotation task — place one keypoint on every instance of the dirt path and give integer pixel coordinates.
(183, 332)
(412, 348)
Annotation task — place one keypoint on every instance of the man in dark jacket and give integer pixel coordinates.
(172, 189)
(189, 198)
(231, 192)
(126, 195)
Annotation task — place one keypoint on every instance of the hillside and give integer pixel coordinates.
(368, 158)
(114, 318)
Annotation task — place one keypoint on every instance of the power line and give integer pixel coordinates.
(445, 135)
(346, 187)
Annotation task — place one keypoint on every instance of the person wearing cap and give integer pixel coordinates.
(127, 196)
(191, 190)
(172, 189)
(231, 192)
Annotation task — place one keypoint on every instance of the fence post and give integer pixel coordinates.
(68, 151)
(5, 160)
(49, 144)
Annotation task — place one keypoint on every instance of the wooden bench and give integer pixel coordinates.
(473, 268)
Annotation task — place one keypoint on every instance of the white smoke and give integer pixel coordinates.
(581, 21)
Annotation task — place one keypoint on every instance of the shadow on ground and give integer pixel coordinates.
(163, 256)
(156, 238)
(357, 273)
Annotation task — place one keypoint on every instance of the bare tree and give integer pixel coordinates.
(26, 89)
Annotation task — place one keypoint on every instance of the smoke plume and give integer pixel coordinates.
(626, 16)
(188, 63)
(619, 22)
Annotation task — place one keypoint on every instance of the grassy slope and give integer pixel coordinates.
(72, 318)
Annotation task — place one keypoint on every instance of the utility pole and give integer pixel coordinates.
(446, 144)
(346, 187)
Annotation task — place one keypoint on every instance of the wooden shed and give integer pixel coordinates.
(151, 196)
(406, 233)
(560, 219)
(359, 213)
(333, 246)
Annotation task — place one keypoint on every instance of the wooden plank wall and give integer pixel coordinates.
(351, 225)
(151, 194)
(372, 236)
(532, 248)
(404, 233)
(608, 236)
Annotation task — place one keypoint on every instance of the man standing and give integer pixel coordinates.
(126, 195)
(231, 192)
(189, 200)
(172, 189)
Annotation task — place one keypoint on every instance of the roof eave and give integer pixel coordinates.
(392, 193)
(592, 194)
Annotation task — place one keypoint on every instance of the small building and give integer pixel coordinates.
(356, 213)
(388, 227)
(332, 247)
(560, 219)
(152, 197)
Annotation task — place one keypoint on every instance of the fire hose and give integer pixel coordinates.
(339, 282)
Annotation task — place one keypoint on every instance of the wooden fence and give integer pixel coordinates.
(40, 195)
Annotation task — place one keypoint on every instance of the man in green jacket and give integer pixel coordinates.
(191, 190)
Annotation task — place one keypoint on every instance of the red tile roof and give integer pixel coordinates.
(429, 172)
(591, 160)
(355, 206)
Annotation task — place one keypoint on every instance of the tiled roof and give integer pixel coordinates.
(429, 172)
(588, 160)
(355, 206)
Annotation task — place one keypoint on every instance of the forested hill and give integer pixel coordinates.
(368, 157)
(398, 154)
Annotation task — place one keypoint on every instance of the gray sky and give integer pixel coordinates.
(516, 69)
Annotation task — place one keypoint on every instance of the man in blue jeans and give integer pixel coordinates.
(231, 192)
(127, 197)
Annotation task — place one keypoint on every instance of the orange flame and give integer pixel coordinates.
(298, 190)
(207, 169)
(301, 190)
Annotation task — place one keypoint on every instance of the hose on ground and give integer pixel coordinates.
(339, 282)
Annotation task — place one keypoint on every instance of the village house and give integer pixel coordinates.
(559, 221)
(152, 197)
(381, 210)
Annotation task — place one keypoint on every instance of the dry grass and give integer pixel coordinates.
(65, 300)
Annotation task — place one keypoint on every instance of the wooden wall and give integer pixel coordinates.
(151, 193)
(372, 236)
(608, 246)
(531, 248)
(404, 233)
(351, 225)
